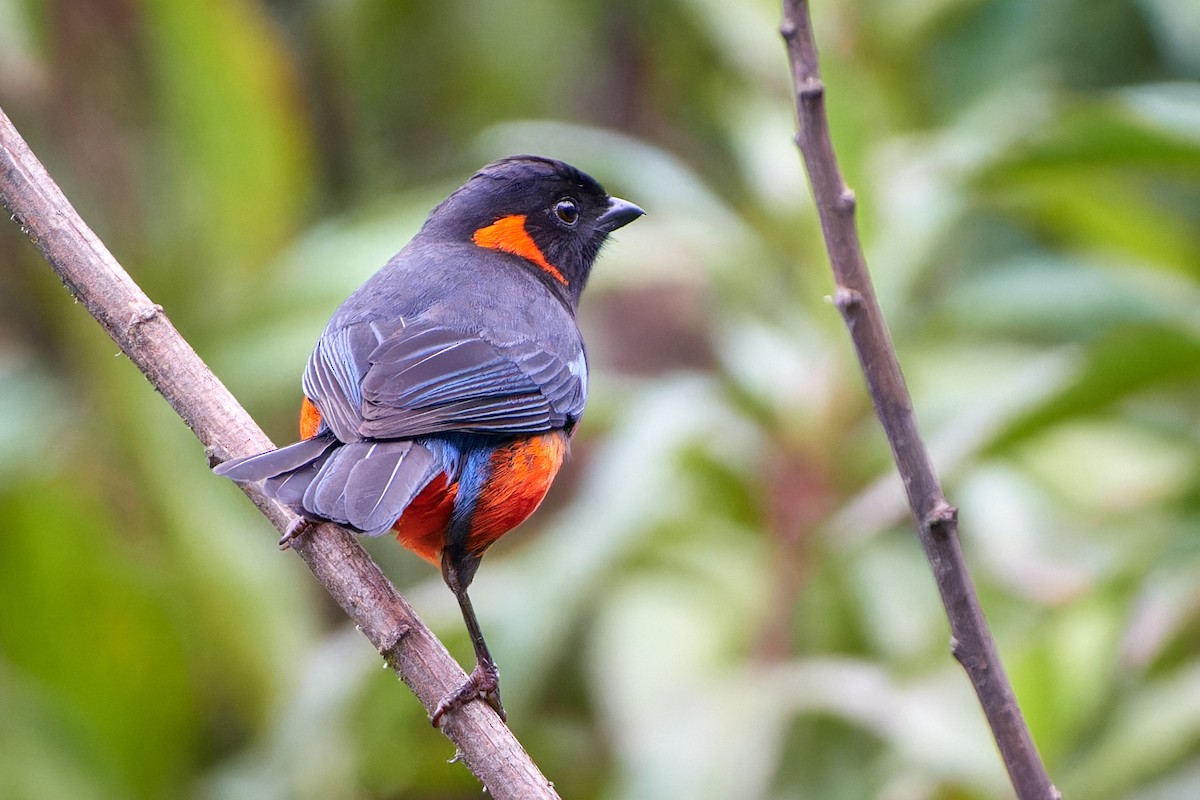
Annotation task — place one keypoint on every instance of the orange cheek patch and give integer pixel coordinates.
(310, 419)
(508, 235)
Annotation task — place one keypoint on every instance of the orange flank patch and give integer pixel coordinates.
(508, 235)
(521, 475)
(310, 419)
(422, 526)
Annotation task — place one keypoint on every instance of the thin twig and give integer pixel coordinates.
(148, 338)
(936, 519)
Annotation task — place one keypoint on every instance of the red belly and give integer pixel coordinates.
(521, 473)
(422, 527)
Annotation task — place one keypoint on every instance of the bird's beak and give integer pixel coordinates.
(619, 214)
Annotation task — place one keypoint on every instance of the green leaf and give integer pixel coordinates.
(1122, 364)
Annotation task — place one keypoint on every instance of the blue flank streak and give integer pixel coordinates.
(466, 458)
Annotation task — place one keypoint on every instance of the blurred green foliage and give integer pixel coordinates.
(722, 598)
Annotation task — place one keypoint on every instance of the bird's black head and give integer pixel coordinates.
(551, 217)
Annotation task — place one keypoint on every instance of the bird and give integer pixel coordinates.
(440, 401)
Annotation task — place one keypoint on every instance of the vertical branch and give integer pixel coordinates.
(148, 338)
(936, 519)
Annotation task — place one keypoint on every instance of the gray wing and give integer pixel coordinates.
(424, 378)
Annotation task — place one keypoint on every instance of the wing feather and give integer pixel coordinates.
(333, 377)
(435, 379)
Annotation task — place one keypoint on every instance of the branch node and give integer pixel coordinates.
(215, 455)
(390, 649)
(846, 200)
(974, 662)
(142, 316)
(17, 218)
(847, 300)
(941, 519)
(811, 89)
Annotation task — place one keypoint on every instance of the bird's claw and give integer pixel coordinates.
(483, 683)
(294, 531)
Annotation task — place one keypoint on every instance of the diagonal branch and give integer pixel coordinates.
(936, 519)
(148, 338)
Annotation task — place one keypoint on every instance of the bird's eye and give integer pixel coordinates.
(567, 210)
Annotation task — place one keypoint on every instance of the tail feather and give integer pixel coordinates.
(276, 462)
(362, 485)
(367, 485)
(289, 488)
(386, 482)
(326, 494)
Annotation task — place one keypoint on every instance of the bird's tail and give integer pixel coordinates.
(362, 485)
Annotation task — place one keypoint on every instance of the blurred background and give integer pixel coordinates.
(723, 596)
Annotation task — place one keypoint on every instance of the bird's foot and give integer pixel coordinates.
(483, 684)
